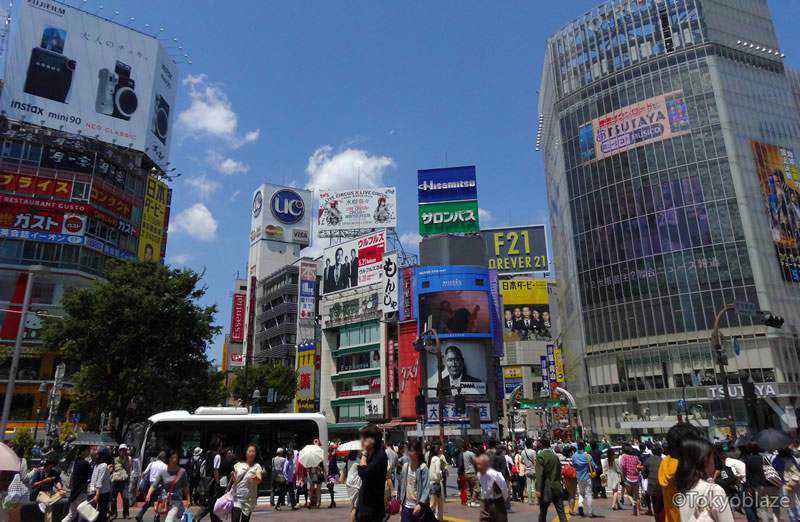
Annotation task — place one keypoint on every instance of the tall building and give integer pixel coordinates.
(669, 131)
(276, 317)
(84, 139)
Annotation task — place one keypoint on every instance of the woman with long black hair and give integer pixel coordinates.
(698, 498)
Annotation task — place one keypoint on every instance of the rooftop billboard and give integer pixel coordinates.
(71, 70)
(516, 250)
(357, 209)
(280, 214)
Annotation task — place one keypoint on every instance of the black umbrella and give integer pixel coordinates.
(772, 439)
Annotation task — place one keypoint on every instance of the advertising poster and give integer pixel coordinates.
(115, 203)
(307, 292)
(409, 377)
(304, 396)
(235, 356)
(237, 318)
(75, 71)
(447, 184)
(42, 221)
(559, 360)
(495, 314)
(154, 212)
(281, 214)
(357, 209)
(655, 119)
(779, 178)
(464, 368)
(516, 250)
(408, 294)
(464, 313)
(526, 309)
(450, 217)
(353, 263)
(512, 377)
(390, 284)
(450, 413)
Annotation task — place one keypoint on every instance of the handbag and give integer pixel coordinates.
(88, 511)
(162, 506)
(18, 492)
(771, 475)
(224, 505)
(394, 506)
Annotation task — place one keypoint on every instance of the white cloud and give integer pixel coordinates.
(204, 186)
(347, 169)
(225, 165)
(235, 195)
(210, 113)
(410, 240)
(178, 259)
(196, 221)
(485, 216)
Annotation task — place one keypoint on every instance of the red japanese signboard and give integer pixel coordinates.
(35, 185)
(52, 204)
(237, 318)
(111, 201)
(408, 370)
(42, 220)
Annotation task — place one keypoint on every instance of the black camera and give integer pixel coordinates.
(161, 119)
(49, 71)
(115, 92)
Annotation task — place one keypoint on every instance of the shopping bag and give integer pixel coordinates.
(224, 505)
(88, 511)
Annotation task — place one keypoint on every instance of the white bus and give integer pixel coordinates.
(235, 428)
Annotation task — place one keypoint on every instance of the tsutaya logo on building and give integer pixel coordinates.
(287, 206)
(765, 389)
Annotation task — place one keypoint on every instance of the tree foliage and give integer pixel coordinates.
(282, 379)
(140, 337)
(23, 440)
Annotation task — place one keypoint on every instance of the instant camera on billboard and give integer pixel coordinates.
(516, 250)
(358, 209)
(353, 263)
(526, 309)
(654, 119)
(75, 71)
(464, 368)
(280, 214)
(779, 178)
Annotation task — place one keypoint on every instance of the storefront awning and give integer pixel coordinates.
(397, 423)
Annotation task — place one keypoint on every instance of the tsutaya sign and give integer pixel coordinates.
(763, 389)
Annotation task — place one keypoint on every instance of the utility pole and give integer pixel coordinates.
(721, 361)
(422, 345)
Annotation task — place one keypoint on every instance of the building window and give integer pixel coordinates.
(350, 413)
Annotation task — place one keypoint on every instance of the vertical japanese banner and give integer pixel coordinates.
(545, 374)
(551, 370)
(390, 366)
(304, 397)
(559, 360)
(408, 294)
(390, 276)
(497, 323)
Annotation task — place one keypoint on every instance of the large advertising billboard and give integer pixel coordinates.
(451, 217)
(409, 376)
(447, 184)
(281, 214)
(154, 214)
(357, 209)
(353, 263)
(516, 250)
(454, 300)
(71, 70)
(464, 369)
(779, 178)
(654, 119)
(526, 309)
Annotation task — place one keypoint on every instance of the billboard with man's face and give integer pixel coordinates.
(353, 263)
(464, 369)
(71, 70)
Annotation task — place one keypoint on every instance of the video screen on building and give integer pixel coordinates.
(457, 313)
(779, 178)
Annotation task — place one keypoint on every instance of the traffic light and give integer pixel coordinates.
(775, 321)
(461, 405)
(419, 405)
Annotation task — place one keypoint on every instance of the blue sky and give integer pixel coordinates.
(311, 92)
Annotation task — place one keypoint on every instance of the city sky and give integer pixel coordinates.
(333, 94)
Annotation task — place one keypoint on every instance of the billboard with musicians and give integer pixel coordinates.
(526, 309)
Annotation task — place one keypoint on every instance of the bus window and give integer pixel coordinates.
(268, 436)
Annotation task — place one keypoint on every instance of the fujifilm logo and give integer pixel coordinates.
(447, 185)
(47, 6)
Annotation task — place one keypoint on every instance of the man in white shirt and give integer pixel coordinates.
(494, 491)
(153, 470)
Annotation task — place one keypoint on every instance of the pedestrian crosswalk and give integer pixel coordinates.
(339, 495)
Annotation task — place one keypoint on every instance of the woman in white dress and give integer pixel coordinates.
(612, 472)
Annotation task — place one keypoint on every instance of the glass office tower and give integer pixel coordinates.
(669, 130)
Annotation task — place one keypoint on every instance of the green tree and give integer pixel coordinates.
(23, 440)
(140, 337)
(281, 379)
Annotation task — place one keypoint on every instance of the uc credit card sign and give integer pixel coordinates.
(447, 184)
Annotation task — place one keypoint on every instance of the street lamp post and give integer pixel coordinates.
(720, 355)
(12, 374)
(42, 390)
(256, 398)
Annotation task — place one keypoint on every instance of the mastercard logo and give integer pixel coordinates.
(273, 231)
